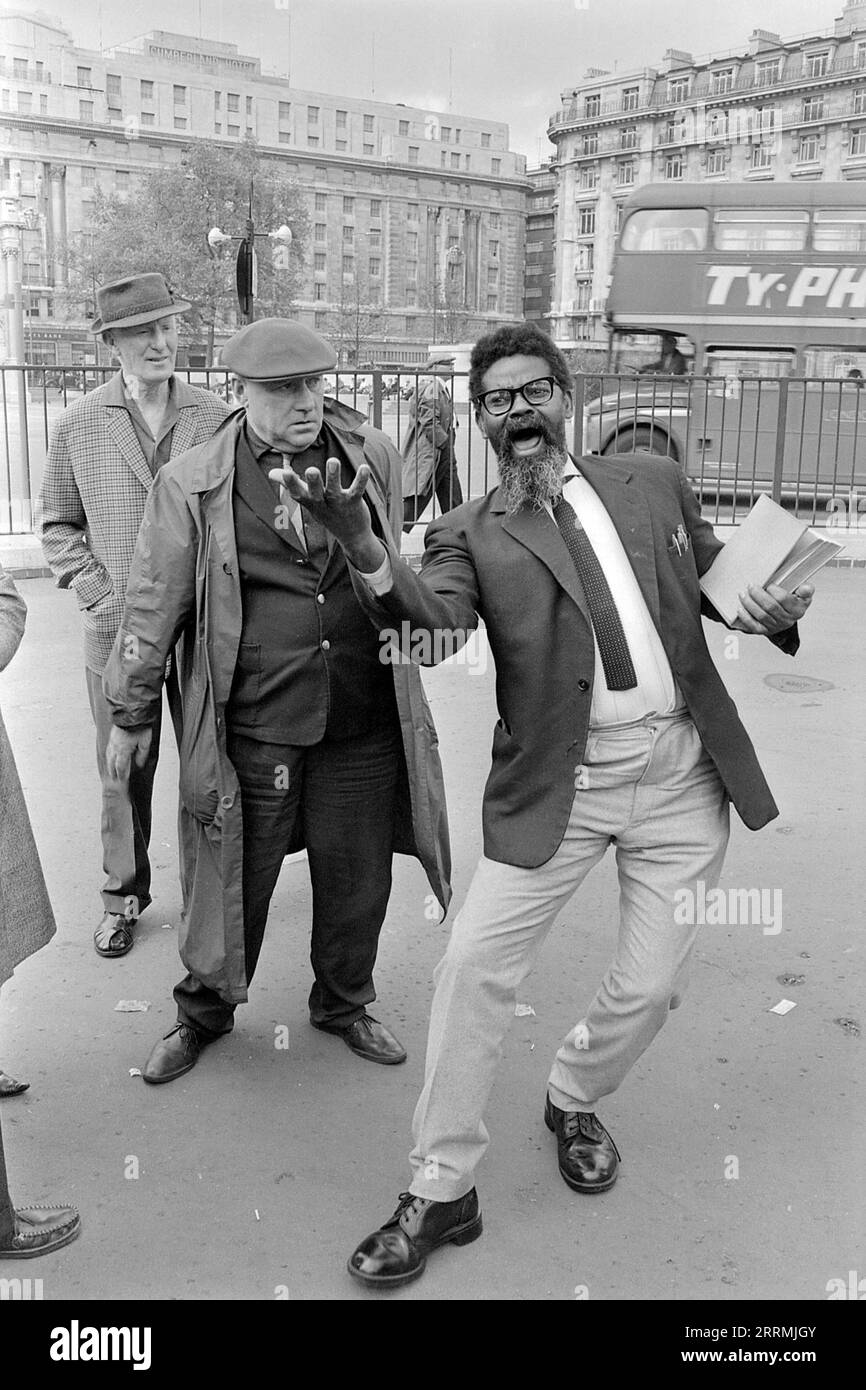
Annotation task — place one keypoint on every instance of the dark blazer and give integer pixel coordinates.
(516, 574)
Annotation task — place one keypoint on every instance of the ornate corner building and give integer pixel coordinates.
(783, 109)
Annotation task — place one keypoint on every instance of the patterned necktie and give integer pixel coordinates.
(615, 656)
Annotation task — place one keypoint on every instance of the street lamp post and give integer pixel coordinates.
(246, 274)
(14, 221)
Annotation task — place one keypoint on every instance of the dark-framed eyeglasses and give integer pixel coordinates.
(499, 401)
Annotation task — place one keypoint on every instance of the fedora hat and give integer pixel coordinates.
(135, 299)
(442, 362)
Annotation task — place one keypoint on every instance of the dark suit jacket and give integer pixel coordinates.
(516, 573)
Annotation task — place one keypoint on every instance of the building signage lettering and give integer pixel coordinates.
(810, 286)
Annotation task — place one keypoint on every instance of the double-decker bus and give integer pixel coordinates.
(764, 288)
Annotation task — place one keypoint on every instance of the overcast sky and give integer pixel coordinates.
(505, 59)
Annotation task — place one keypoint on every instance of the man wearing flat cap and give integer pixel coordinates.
(102, 459)
(428, 449)
(297, 729)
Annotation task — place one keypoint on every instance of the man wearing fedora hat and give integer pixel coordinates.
(103, 456)
(429, 461)
(298, 731)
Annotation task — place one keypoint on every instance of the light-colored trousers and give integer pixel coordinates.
(652, 790)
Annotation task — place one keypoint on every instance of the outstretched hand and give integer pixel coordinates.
(342, 511)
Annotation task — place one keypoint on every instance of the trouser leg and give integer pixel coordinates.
(415, 505)
(7, 1216)
(348, 815)
(271, 778)
(676, 836)
(126, 815)
(448, 490)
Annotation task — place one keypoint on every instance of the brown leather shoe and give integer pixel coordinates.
(397, 1252)
(10, 1087)
(113, 936)
(173, 1055)
(588, 1157)
(370, 1039)
(39, 1230)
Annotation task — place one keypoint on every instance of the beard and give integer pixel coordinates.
(532, 481)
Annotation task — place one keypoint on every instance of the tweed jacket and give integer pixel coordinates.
(95, 485)
(26, 919)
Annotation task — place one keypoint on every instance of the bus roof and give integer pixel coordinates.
(723, 195)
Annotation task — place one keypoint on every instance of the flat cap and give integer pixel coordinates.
(276, 350)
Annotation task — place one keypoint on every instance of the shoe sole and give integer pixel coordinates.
(584, 1187)
(57, 1244)
(383, 1061)
(461, 1235)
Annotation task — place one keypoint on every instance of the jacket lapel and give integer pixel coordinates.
(256, 491)
(540, 534)
(120, 428)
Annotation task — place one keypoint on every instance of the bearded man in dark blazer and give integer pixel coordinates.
(615, 728)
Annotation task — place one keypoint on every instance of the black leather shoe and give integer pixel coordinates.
(173, 1055)
(588, 1157)
(397, 1252)
(40, 1229)
(370, 1039)
(10, 1087)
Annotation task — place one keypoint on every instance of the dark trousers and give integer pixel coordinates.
(445, 481)
(340, 794)
(126, 808)
(7, 1219)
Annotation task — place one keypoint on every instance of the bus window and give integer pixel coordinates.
(760, 229)
(836, 362)
(742, 362)
(666, 229)
(840, 229)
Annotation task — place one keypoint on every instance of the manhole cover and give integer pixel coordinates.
(797, 685)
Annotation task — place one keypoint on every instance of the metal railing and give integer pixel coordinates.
(802, 440)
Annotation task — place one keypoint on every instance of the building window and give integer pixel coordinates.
(375, 238)
(678, 88)
(341, 144)
(249, 106)
(582, 293)
(496, 166)
(817, 63)
(88, 176)
(411, 296)
(19, 68)
(813, 108)
(341, 119)
(411, 212)
(413, 154)
(375, 266)
(412, 243)
(319, 291)
(147, 118)
(319, 320)
(369, 149)
(348, 236)
(858, 141)
(674, 131)
(674, 166)
(312, 142)
(807, 150)
(43, 104)
(584, 259)
(312, 115)
(762, 156)
(493, 249)
(717, 125)
(628, 138)
(112, 86)
(121, 180)
(348, 207)
(860, 103)
(588, 176)
(485, 140)
(860, 54)
(492, 301)
(722, 80)
(592, 105)
(368, 124)
(764, 119)
(180, 96)
(85, 108)
(180, 124)
(411, 272)
(284, 112)
(284, 137)
(115, 113)
(217, 101)
(84, 76)
(233, 130)
(147, 91)
(630, 98)
(586, 222)
(319, 261)
(320, 202)
(716, 161)
(767, 71)
(625, 172)
(320, 232)
(375, 207)
(590, 142)
(402, 127)
(234, 101)
(348, 265)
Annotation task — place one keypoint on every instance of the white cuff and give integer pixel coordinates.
(381, 581)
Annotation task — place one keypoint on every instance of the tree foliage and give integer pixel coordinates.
(163, 225)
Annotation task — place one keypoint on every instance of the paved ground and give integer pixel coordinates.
(259, 1171)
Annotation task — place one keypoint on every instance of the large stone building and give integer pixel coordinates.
(540, 245)
(783, 109)
(425, 208)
